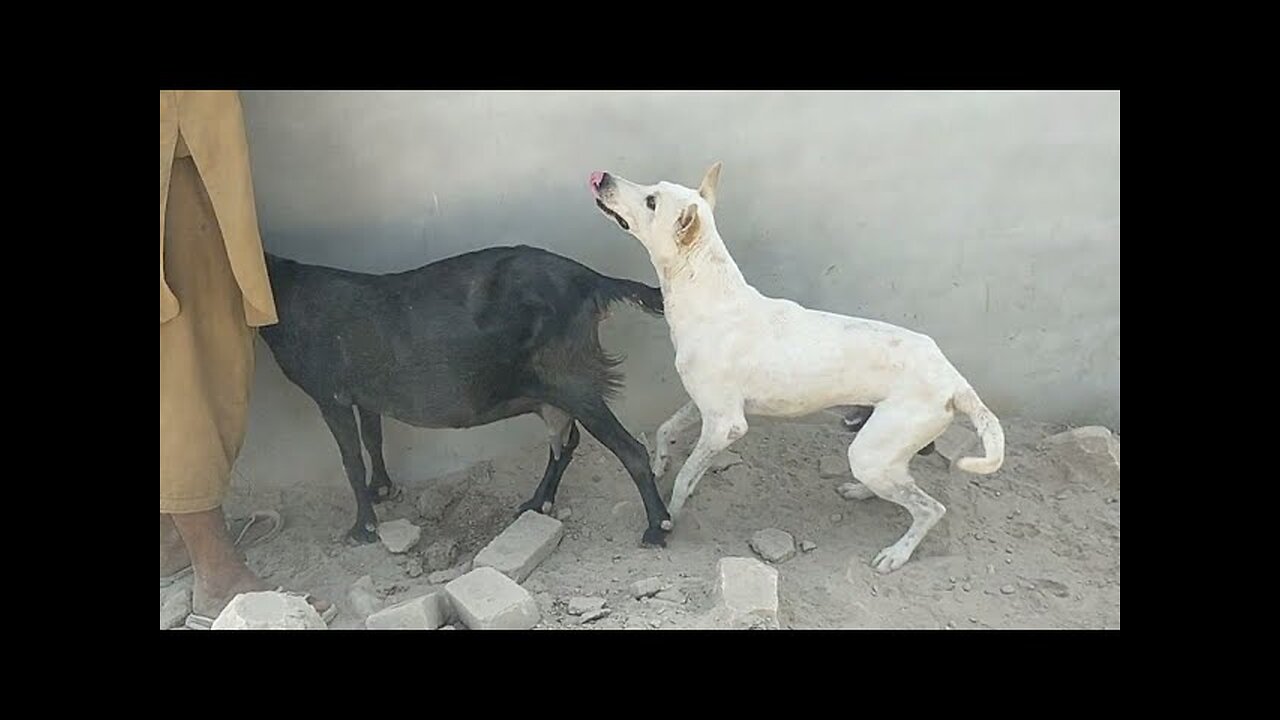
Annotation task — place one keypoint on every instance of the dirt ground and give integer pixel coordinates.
(1023, 548)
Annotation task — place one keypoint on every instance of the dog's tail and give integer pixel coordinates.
(611, 290)
(988, 425)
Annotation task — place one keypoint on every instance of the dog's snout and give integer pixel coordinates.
(598, 180)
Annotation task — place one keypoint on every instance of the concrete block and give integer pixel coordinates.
(522, 546)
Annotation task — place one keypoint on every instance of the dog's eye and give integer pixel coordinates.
(651, 202)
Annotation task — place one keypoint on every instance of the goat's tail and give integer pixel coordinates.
(988, 425)
(611, 290)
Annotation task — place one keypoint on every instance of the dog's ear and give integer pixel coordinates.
(709, 182)
(688, 225)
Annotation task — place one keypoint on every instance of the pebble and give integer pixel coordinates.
(584, 605)
(836, 517)
(808, 546)
(674, 596)
(966, 587)
(593, 616)
(647, 587)
(1008, 589)
(1009, 550)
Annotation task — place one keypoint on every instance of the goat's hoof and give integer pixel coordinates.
(363, 534)
(386, 492)
(654, 538)
(541, 507)
(667, 525)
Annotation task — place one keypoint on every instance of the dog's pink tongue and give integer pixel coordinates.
(595, 179)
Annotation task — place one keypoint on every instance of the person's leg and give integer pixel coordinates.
(206, 371)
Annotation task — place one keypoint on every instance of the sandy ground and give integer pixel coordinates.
(1023, 548)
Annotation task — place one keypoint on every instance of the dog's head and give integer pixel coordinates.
(668, 219)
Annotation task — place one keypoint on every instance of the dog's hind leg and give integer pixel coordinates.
(683, 418)
(855, 416)
(879, 457)
(342, 423)
(562, 435)
(380, 485)
(719, 431)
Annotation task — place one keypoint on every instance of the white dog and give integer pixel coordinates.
(741, 353)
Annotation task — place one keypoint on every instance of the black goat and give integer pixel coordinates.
(462, 342)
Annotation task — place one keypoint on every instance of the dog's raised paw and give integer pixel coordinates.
(890, 559)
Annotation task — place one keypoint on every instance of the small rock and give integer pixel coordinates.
(1008, 589)
(966, 587)
(414, 568)
(269, 611)
(593, 615)
(746, 595)
(486, 599)
(175, 609)
(724, 461)
(833, 467)
(441, 577)
(951, 625)
(522, 546)
(1088, 454)
(1009, 550)
(363, 597)
(808, 546)
(564, 514)
(836, 517)
(672, 596)
(399, 536)
(776, 546)
(440, 554)
(1008, 561)
(427, 612)
(647, 587)
(973, 620)
(655, 623)
(584, 605)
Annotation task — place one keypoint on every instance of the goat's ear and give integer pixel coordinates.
(688, 225)
(709, 182)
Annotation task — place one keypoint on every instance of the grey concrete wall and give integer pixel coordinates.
(990, 221)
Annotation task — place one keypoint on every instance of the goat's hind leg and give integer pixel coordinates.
(562, 435)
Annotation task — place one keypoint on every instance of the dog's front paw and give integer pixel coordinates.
(890, 559)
